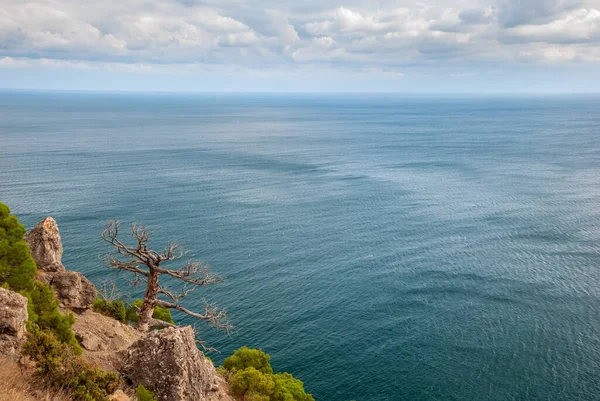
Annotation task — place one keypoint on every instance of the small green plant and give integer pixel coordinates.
(163, 314)
(60, 366)
(143, 394)
(115, 309)
(250, 377)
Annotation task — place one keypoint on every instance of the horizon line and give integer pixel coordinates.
(225, 92)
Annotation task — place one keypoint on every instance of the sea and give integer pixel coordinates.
(379, 247)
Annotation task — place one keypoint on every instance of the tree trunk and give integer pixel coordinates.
(147, 309)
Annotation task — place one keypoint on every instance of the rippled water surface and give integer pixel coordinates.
(378, 247)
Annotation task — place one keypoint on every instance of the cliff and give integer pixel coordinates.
(165, 361)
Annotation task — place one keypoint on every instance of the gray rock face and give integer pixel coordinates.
(13, 316)
(46, 246)
(74, 290)
(168, 363)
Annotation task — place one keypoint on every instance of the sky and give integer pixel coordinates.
(438, 46)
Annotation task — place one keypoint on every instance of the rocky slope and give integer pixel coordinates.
(166, 361)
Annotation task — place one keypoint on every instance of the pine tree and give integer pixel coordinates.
(17, 267)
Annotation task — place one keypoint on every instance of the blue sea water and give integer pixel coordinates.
(379, 247)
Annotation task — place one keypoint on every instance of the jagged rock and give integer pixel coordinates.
(74, 290)
(168, 363)
(13, 313)
(46, 246)
(13, 316)
(89, 341)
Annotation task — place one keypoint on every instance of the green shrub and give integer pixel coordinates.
(58, 363)
(251, 384)
(163, 314)
(43, 312)
(143, 394)
(245, 357)
(114, 309)
(17, 267)
(251, 377)
(287, 388)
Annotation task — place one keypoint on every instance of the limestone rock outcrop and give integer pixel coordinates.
(168, 363)
(72, 288)
(13, 316)
(46, 246)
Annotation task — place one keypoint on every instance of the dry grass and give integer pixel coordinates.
(18, 384)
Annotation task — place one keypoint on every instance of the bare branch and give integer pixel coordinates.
(109, 291)
(175, 297)
(131, 266)
(193, 273)
(137, 280)
(172, 252)
(202, 344)
(212, 314)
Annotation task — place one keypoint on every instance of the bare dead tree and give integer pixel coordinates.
(148, 266)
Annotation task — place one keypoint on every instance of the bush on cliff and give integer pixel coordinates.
(59, 365)
(251, 384)
(17, 272)
(132, 313)
(245, 358)
(288, 388)
(17, 268)
(43, 312)
(115, 309)
(250, 377)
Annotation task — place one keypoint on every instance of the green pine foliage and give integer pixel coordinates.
(250, 377)
(246, 357)
(115, 309)
(287, 388)
(163, 314)
(59, 365)
(17, 268)
(17, 272)
(143, 394)
(43, 312)
(251, 384)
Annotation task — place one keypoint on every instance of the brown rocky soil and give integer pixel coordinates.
(103, 339)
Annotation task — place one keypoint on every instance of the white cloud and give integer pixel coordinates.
(579, 26)
(338, 34)
(324, 41)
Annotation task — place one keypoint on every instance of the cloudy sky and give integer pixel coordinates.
(301, 45)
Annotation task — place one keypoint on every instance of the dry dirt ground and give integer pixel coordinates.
(18, 384)
(103, 338)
